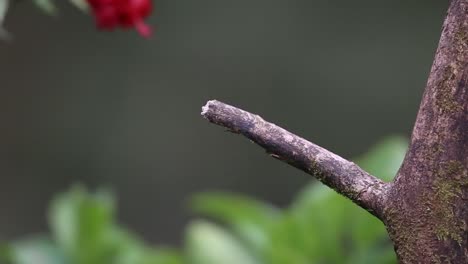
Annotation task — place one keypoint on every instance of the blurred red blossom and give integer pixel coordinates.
(110, 14)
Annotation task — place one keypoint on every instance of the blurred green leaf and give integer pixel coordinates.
(3, 10)
(130, 250)
(4, 34)
(250, 219)
(81, 4)
(381, 255)
(288, 244)
(384, 159)
(365, 231)
(325, 227)
(207, 243)
(6, 254)
(82, 224)
(36, 250)
(163, 256)
(47, 6)
(316, 225)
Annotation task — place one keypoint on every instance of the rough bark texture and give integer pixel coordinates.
(339, 174)
(427, 210)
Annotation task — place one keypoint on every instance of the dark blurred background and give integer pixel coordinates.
(113, 109)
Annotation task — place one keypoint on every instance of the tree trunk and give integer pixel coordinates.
(426, 212)
(425, 209)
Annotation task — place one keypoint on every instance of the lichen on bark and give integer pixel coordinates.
(447, 195)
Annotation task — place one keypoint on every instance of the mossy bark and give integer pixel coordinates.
(426, 211)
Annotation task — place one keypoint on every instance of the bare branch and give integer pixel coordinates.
(339, 174)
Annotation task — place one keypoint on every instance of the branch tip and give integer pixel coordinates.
(336, 172)
(206, 107)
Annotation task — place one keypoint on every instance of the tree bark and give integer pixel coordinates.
(425, 209)
(426, 212)
(342, 175)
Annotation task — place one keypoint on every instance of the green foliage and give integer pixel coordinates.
(319, 226)
(84, 232)
(81, 4)
(384, 159)
(37, 249)
(50, 7)
(4, 4)
(209, 244)
(3, 10)
(250, 219)
(47, 6)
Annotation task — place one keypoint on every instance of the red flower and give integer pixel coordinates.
(124, 13)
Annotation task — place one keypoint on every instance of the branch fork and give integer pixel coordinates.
(424, 208)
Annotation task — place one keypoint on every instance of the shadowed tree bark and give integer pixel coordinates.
(425, 208)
